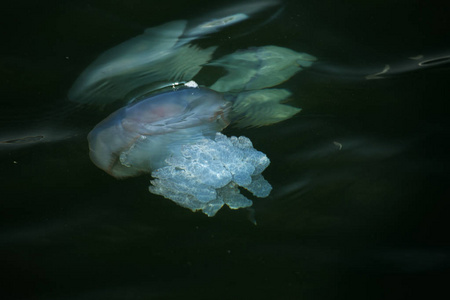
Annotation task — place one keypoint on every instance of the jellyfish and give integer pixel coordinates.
(176, 137)
(170, 127)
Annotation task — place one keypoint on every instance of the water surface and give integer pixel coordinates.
(360, 176)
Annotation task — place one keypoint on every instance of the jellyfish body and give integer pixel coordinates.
(175, 135)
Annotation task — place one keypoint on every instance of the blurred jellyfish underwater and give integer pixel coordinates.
(170, 126)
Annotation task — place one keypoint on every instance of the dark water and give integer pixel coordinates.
(361, 194)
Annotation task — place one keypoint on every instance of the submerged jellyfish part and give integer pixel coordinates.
(144, 61)
(233, 197)
(139, 137)
(258, 68)
(207, 174)
(259, 186)
(262, 107)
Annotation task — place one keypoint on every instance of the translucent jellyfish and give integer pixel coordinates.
(175, 137)
(137, 138)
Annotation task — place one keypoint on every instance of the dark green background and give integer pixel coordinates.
(365, 222)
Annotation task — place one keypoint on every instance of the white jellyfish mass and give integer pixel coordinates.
(175, 136)
(207, 174)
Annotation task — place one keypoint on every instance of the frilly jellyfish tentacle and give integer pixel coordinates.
(207, 174)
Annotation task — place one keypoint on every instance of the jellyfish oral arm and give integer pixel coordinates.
(207, 175)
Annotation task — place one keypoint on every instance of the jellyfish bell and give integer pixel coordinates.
(137, 138)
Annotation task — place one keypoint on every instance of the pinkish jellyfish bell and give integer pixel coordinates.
(176, 137)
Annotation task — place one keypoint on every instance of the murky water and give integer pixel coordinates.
(360, 176)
